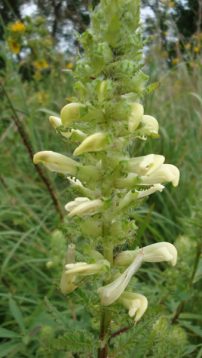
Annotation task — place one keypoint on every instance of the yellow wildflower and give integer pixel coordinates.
(14, 46)
(175, 61)
(42, 97)
(69, 66)
(17, 26)
(41, 64)
(196, 49)
(171, 4)
(37, 75)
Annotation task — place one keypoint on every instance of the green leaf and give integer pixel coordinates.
(8, 347)
(196, 95)
(190, 349)
(199, 355)
(48, 111)
(75, 341)
(152, 87)
(17, 314)
(194, 329)
(6, 333)
(198, 274)
(192, 316)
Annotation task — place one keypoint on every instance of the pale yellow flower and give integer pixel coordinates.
(158, 252)
(135, 303)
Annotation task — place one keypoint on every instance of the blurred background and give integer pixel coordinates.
(38, 49)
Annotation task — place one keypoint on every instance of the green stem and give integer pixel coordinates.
(104, 327)
(105, 315)
(108, 252)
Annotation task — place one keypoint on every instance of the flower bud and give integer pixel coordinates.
(74, 134)
(105, 90)
(70, 113)
(92, 143)
(145, 164)
(149, 126)
(67, 283)
(135, 303)
(164, 173)
(56, 162)
(55, 121)
(82, 206)
(71, 253)
(135, 117)
(158, 252)
(111, 292)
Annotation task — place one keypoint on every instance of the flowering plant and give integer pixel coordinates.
(103, 119)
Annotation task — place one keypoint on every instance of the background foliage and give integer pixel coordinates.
(35, 80)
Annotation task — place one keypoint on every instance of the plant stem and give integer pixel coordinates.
(120, 331)
(25, 139)
(108, 252)
(104, 326)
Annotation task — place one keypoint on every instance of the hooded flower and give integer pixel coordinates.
(70, 277)
(57, 123)
(149, 126)
(56, 162)
(158, 252)
(82, 206)
(145, 165)
(135, 117)
(164, 173)
(135, 303)
(93, 143)
(111, 292)
(70, 113)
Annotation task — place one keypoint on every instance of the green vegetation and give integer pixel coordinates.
(36, 318)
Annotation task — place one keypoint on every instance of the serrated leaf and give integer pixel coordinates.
(75, 341)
